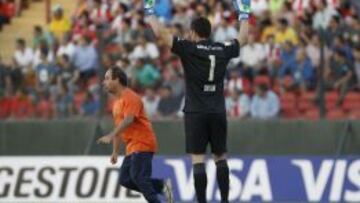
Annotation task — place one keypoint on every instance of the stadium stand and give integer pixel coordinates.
(57, 74)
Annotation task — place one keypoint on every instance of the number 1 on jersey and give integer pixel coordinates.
(212, 67)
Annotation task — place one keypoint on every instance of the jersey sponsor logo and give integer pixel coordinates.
(208, 48)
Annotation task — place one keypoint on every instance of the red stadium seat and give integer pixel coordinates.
(262, 79)
(312, 114)
(335, 114)
(351, 102)
(288, 106)
(355, 114)
(79, 98)
(330, 99)
(288, 101)
(306, 101)
(288, 81)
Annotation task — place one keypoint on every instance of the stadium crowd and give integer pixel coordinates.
(277, 73)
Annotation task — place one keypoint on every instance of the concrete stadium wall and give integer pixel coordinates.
(77, 137)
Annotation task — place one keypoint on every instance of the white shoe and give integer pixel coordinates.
(167, 191)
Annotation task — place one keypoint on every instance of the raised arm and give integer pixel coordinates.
(158, 28)
(242, 7)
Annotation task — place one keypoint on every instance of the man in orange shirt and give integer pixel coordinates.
(135, 130)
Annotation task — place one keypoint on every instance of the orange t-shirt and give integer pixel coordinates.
(139, 136)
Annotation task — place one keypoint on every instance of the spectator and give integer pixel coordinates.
(285, 32)
(287, 57)
(238, 104)
(90, 106)
(151, 102)
(145, 49)
(335, 30)
(84, 27)
(4, 75)
(180, 17)
(339, 75)
(43, 48)
(86, 59)
(63, 102)
(4, 14)
(44, 108)
(125, 33)
(23, 55)
(259, 7)
(313, 50)
(323, 15)
(340, 44)
(173, 79)
(100, 14)
(146, 74)
(300, 69)
(67, 73)
(168, 104)
(59, 24)
(39, 36)
(356, 53)
(252, 56)
(236, 82)
(67, 47)
(272, 53)
(265, 103)
(276, 5)
(45, 74)
(225, 31)
(21, 105)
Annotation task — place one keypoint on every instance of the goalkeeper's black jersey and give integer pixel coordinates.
(205, 65)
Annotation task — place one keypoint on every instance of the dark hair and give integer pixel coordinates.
(65, 57)
(38, 28)
(336, 18)
(123, 7)
(21, 42)
(263, 87)
(340, 53)
(120, 75)
(284, 22)
(202, 27)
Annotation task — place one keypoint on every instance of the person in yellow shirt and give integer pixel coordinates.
(59, 24)
(285, 33)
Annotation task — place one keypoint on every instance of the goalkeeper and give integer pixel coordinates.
(204, 64)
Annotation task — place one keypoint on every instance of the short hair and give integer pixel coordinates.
(263, 87)
(202, 27)
(340, 53)
(21, 41)
(120, 75)
(284, 21)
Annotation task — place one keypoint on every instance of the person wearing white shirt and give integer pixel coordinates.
(145, 50)
(253, 54)
(67, 47)
(323, 16)
(258, 7)
(151, 102)
(225, 32)
(265, 103)
(23, 55)
(237, 104)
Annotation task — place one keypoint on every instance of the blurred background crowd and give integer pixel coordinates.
(301, 56)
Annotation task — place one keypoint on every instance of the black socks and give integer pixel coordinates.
(222, 175)
(200, 180)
